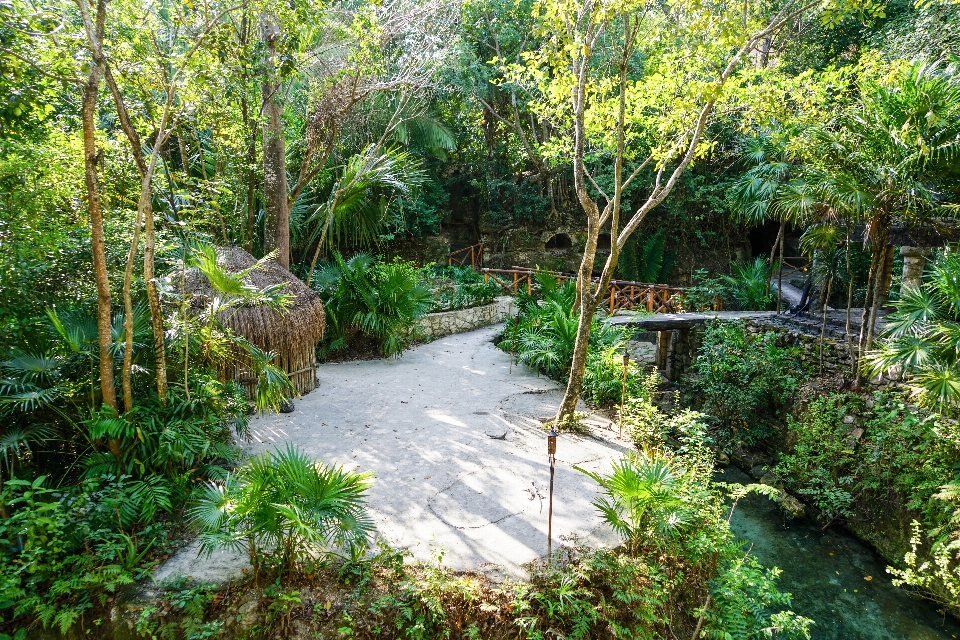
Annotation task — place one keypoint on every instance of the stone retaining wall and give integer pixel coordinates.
(684, 345)
(445, 323)
(836, 355)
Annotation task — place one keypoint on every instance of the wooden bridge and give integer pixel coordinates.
(622, 295)
(675, 343)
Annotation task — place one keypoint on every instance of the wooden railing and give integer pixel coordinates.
(472, 255)
(623, 294)
(631, 296)
(512, 280)
(793, 264)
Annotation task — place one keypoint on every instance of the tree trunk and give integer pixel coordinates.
(125, 372)
(875, 283)
(251, 160)
(853, 357)
(780, 274)
(91, 160)
(773, 253)
(277, 231)
(823, 325)
(887, 280)
(882, 288)
(150, 237)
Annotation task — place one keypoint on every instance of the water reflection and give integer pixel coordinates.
(827, 574)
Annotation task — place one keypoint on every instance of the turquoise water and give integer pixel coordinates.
(826, 573)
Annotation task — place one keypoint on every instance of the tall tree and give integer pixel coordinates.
(888, 160)
(636, 85)
(276, 207)
(94, 25)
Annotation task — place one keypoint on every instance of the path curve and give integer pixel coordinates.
(454, 440)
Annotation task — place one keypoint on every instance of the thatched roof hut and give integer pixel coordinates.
(292, 335)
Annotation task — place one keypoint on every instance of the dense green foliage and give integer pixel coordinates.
(857, 454)
(543, 334)
(749, 285)
(743, 380)
(457, 287)
(286, 507)
(134, 138)
(923, 334)
(370, 299)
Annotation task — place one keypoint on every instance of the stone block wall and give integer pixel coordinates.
(445, 323)
(836, 355)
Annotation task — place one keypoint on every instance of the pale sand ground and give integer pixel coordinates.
(423, 424)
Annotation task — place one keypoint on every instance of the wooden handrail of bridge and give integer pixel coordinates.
(622, 294)
(473, 254)
(792, 264)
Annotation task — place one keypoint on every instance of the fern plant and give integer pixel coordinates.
(749, 285)
(365, 298)
(642, 499)
(923, 335)
(286, 506)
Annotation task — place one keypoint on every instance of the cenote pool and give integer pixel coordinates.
(827, 574)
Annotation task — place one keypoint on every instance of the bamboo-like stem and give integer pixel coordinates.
(823, 326)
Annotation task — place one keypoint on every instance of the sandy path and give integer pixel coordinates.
(459, 456)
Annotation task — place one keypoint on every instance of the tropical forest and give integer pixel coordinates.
(480, 319)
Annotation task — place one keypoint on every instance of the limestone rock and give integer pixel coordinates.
(771, 479)
(247, 611)
(791, 506)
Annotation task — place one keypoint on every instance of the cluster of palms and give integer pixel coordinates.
(923, 335)
(889, 160)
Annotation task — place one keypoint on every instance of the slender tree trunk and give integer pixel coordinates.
(867, 304)
(251, 175)
(882, 285)
(277, 232)
(853, 357)
(773, 253)
(125, 372)
(783, 239)
(589, 301)
(150, 237)
(153, 299)
(887, 279)
(823, 324)
(878, 275)
(91, 160)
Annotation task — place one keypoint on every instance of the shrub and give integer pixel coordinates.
(749, 285)
(283, 506)
(456, 287)
(370, 299)
(743, 380)
(822, 461)
(675, 526)
(61, 551)
(545, 332)
(921, 335)
(603, 376)
(704, 293)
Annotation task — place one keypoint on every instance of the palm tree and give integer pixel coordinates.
(884, 161)
(762, 192)
(923, 335)
(287, 505)
(643, 497)
(378, 300)
(354, 212)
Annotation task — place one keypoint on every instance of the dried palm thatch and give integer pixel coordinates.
(291, 335)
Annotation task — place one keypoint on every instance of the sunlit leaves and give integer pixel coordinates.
(922, 337)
